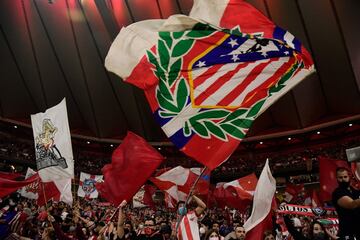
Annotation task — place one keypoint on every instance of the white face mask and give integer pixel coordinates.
(202, 230)
(11, 202)
(214, 238)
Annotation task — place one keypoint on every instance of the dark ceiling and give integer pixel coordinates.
(52, 49)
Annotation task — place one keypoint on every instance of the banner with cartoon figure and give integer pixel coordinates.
(53, 150)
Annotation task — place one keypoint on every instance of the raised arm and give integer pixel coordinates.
(201, 206)
(121, 219)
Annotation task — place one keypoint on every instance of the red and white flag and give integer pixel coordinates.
(138, 198)
(87, 184)
(260, 218)
(207, 83)
(169, 201)
(30, 191)
(292, 191)
(8, 186)
(189, 228)
(178, 181)
(236, 194)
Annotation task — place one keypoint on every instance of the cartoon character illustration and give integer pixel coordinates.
(47, 154)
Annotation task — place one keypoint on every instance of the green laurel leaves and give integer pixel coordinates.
(221, 122)
(173, 91)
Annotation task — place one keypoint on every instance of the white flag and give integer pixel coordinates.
(54, 156)
(87, 185)
(64, 187)
(30, 191)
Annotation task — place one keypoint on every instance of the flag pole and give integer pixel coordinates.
(46, 208)
(189, 196)
(194, 185)
(43, 189)
(74, 188)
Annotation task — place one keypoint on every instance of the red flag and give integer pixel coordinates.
(47, 191)
(132, 164)
(8, 186)
(292, 191)
(10, 176)
(148, 195)
(328, 182)
(237, 194)
(315, 202)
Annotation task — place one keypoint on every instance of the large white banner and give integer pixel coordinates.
(30, 191)
(87, 185)
(54, 155)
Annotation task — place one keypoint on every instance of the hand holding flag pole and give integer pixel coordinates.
(187, 201)
(194, 185)
(121, 205)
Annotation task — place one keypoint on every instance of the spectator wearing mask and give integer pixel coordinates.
(317, 231)
(347, 204)
(213, 234)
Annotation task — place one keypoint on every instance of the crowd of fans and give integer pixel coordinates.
(22, 218)
(85, 219)
(91, 160)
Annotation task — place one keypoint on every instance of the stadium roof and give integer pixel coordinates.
(52, 49)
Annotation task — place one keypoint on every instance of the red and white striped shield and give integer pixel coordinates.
(87, 185)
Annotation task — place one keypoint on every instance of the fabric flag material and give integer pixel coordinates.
(236, 194)
(30, 191)
(8, 186)
(206, 83)
(327, 175)
(87, 184)
(169, 201)
(150, 191)
(60, 190)
(315, 202)
(178, 181)
(53, 150)
(132, 164)
(260, 218)
(138, 199)
(292, 191)
(47, 191)
(188, 227)
(10, 176)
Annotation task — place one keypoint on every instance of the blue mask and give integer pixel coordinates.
(182, 210)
